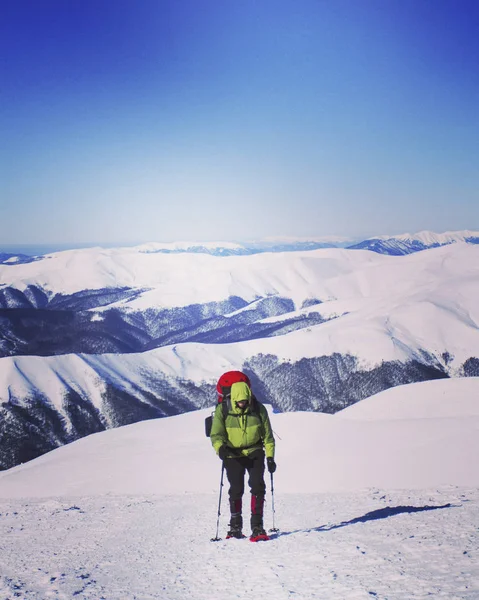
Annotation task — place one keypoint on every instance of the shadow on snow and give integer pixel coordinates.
(375, 515)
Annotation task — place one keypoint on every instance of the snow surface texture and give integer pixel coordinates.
(367, 507)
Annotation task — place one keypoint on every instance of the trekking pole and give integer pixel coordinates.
(217, 539)
(273, 529)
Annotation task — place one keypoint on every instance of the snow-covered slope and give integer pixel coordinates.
(366, 508)
(184, 279)
(373, 307)
(406, 243)
(383, 244)
(7, 258)
(431, 238)
(99, 301)
(368, 322)
(443, 399)
(424, 435)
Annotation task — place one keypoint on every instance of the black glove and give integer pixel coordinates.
(271, 464)
(223, 452)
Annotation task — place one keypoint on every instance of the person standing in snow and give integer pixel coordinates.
(242, 436)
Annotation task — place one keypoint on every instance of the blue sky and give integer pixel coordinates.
(158, 120)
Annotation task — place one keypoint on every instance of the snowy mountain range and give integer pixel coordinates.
(96, 338)
(242, 249)
(409, 243)
(379, 500)
(18, 254)
(394, 245)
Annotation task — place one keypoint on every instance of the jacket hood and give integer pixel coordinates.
(240, 391)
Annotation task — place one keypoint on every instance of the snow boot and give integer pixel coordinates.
(257, 503)
(257, 529)
(235, 532)
(259, 534)
(236, 522)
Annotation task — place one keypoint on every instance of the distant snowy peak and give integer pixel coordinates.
(214, 248)
(15, 259)
(288, 243)
(430, 238)
(407, 243)
(395, 245)
(244, 248)
(391, 246)
(323, 239)
(382, 244)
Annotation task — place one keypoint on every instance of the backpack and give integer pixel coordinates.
(223, 387)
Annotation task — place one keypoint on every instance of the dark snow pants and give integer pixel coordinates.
(236, 470)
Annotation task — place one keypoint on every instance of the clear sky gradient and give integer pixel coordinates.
(157, 120)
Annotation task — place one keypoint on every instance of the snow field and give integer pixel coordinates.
(378, 501)
(372, 544)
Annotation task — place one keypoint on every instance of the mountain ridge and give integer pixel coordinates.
(316, 331)
(385, 244)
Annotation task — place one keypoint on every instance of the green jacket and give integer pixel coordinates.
(247, 430)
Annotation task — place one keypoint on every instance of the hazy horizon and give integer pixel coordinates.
(46, 248)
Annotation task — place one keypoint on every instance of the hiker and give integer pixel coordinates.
(241, 434)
